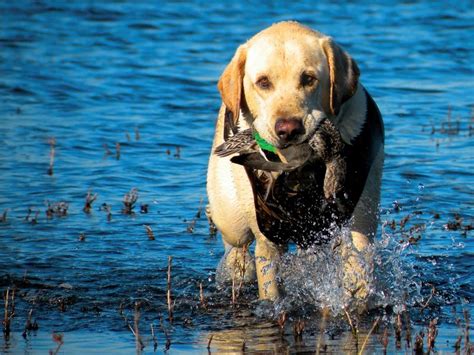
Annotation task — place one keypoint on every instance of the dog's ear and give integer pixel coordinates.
(343, 76)
(231, 82)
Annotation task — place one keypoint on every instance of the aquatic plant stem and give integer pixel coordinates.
(201, 297)
(153, 336)
(136, 319)
(322, 328)
(168, 293)
(355, 331)
(467, 343)
(9, 311)
(361, 351)
(52, 143)
(209, 343)
(6, 320)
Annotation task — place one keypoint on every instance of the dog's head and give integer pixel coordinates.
(285, 80)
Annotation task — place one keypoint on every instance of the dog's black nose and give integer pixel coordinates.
(287, 129)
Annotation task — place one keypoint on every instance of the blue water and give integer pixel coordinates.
(143, 74)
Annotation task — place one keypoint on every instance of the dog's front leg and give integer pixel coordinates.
(267, 256)
(358, 266)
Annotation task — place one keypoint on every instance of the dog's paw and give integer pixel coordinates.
(237, 265)
(358, 272)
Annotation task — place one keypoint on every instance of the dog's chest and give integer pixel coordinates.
(295, 209)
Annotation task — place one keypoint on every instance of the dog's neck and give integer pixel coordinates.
(352, 116)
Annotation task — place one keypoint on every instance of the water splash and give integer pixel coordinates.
(328, 277)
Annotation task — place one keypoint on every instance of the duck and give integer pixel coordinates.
(326, 144)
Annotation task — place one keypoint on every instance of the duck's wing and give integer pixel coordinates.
(238, 143)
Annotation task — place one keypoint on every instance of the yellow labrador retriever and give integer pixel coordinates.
(283, 83)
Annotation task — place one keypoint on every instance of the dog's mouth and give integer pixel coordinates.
(305, 142)
(297, 154)
(257, 153)
(281, 145)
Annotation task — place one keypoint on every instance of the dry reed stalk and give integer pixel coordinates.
(418, 346)
(35, 218)
(167, 336)
(212, 226)
(3, 218)
(209, 343)
(242, 268)
(149, 232)
(199, 211)
(138, 339)
(168, 292)
(107, 208)
(13, 303)
(354, 329)
(52, 144)
(129, 200)
(29, 325)
(130, 327)
(201, 297)
(407, 327)
(384, 340)
(298, 328)
(433, 290)
(6, 318)
(58, 338)
(322, 328)
(234, 296)
(191, 226)
(361, 351)
(153, 336)
(90, 198)
(62, 305)
(282, 318)
(432, 334)
(467, 343)
(27, 217)
(9, 311)
(58, 209)
(457, 344)
(398, 331)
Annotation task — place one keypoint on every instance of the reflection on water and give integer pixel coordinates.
(139, 79)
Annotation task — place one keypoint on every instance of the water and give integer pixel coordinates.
(93, 74)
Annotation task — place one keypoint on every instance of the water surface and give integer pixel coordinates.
(94, 74)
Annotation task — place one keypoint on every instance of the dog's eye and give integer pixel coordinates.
(264, 83)
(308, 79)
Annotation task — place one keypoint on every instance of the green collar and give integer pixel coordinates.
(262, 143)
